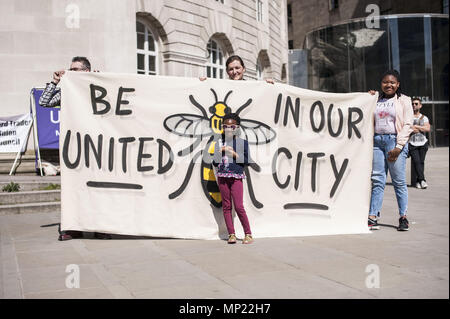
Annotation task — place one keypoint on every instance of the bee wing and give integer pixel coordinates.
(189, 125)
(256, 132)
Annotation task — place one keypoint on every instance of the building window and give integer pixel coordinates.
(259, 10)
(289, 13)
(291, 44)
(147, 50)
(283, 73)
(221, 1)
(445, 6)
(214, 67)
(259, 70)
(333, 4)
(262, 65)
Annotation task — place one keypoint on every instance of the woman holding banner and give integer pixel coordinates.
(236, 69)
(393, 120)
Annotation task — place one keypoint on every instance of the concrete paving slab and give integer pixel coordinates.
(291, 284)
(74, 293)
(49, 258)
(48, 279)
(198, 291)
(413, 264)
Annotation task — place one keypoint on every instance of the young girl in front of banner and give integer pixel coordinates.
(231, 155)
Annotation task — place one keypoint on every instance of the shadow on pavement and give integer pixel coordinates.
(94, 235)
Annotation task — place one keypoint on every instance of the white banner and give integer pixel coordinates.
(14, 133)
(132, 146)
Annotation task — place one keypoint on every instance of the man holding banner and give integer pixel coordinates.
(51, 97)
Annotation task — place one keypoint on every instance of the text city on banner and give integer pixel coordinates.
(136, 156)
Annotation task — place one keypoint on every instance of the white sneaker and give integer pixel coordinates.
(418, 185)
(423, 184)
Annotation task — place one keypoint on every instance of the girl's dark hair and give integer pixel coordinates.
(232, 116)
(395, 74)
(234, 58)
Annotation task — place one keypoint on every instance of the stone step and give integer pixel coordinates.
(29, 197)
(23, 178)
(27, 186)
(26, 164)
(44, 207)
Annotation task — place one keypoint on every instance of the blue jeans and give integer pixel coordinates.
(382, 144)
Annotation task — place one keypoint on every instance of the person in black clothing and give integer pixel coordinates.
(418, 143)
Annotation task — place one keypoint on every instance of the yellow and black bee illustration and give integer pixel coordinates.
(204, 126)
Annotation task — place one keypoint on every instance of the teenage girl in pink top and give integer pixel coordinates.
(393, 120)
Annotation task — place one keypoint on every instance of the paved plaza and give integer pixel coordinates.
(413, 264)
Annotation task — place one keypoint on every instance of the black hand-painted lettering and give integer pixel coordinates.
(123, 102)
(305, 206)
(337, 174)
(297, 170)
(322, 116)
(125, 141)
(278, 108)
(314, 157)
(341, 122)
(163, 168)
(65, 151)
(95, 100)
(274, 167)
(111, 154)
(97, 151)
(295, 112)
(113, 185)
(141, 155)
(352, 123)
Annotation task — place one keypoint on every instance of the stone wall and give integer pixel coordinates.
(41, 36)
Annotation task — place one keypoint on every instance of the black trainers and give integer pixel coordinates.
(373, 224)
(403, 224)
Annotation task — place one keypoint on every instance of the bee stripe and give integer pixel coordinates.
(208, 174)
(211, 148)
(211, 186)
(216, 197)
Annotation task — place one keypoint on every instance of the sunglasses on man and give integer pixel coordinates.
(77, 69)
(230, 127)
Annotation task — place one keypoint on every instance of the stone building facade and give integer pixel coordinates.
(187, 38)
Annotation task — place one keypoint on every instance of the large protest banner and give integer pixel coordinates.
(135, 156)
